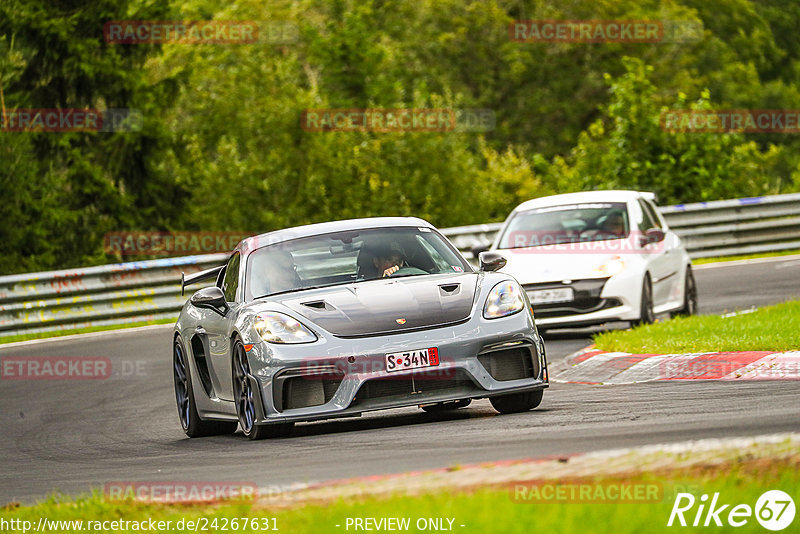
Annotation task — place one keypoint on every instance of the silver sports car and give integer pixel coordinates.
(335, 319)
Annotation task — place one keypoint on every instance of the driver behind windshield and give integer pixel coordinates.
(389, 259)
(614, 224)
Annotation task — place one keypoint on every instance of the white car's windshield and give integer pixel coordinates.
(351, 256)
(571, 223)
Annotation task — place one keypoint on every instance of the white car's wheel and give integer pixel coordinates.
(689, 295)
(646, 313)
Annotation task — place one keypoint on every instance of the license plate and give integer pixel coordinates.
(550, 296)
(412, 359)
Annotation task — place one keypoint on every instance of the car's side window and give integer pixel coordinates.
(653, 211)
(433, 255)
(231, 281)
(647, 221)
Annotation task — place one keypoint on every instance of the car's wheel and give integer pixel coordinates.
(440, 407)
(517, 402)
(689, 295)
(184, 396)
(244, 396)
(646, 314)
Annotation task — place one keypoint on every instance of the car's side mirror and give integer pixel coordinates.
(491, 261)
(480, 247)
(655, 235)
(211, 298)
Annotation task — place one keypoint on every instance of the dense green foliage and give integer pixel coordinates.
(222, 147)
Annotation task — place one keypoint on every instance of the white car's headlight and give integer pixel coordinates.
(504, 299)
(611, 267)
(279, 328)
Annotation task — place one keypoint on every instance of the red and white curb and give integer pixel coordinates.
(591, 366)
(562, 468)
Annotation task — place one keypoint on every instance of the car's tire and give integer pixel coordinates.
(689, 295)
(243, 394)
(646, 314)
(448, 406)
(191, 423)
(517, 402)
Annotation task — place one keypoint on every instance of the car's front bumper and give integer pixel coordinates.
(597, 301)
(343, 377)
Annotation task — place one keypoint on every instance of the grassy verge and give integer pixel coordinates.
(701, 261)
(480, 510)
(86, 330)
(769, 328)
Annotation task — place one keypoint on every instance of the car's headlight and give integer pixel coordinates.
(611, 267)
(504, 299)
(279, 328)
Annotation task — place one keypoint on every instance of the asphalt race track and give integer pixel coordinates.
(71, 436)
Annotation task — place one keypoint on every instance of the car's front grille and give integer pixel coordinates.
(563, 310)
(419, 383)
(302, 392)
(510, 364)
(296, 389)
(586, 298)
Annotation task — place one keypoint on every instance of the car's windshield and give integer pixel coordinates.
(571, 223)
(351, 256)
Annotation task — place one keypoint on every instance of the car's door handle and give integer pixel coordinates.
(199, 330)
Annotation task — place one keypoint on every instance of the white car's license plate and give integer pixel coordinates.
(550, 296)
(412, 359)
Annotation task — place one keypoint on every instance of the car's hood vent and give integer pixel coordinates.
(389, 305)
(316, 305)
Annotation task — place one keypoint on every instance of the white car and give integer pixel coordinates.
(596, 257)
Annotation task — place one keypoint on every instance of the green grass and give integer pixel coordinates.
(484, 510)
(701, 261)
(85, 330)
(770, 328)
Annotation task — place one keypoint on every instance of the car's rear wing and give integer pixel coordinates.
(208, 274)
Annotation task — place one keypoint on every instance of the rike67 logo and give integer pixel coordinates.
(774, 510)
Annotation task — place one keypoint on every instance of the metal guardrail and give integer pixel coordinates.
(740, 226)
(96, 296)
(150, 290)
